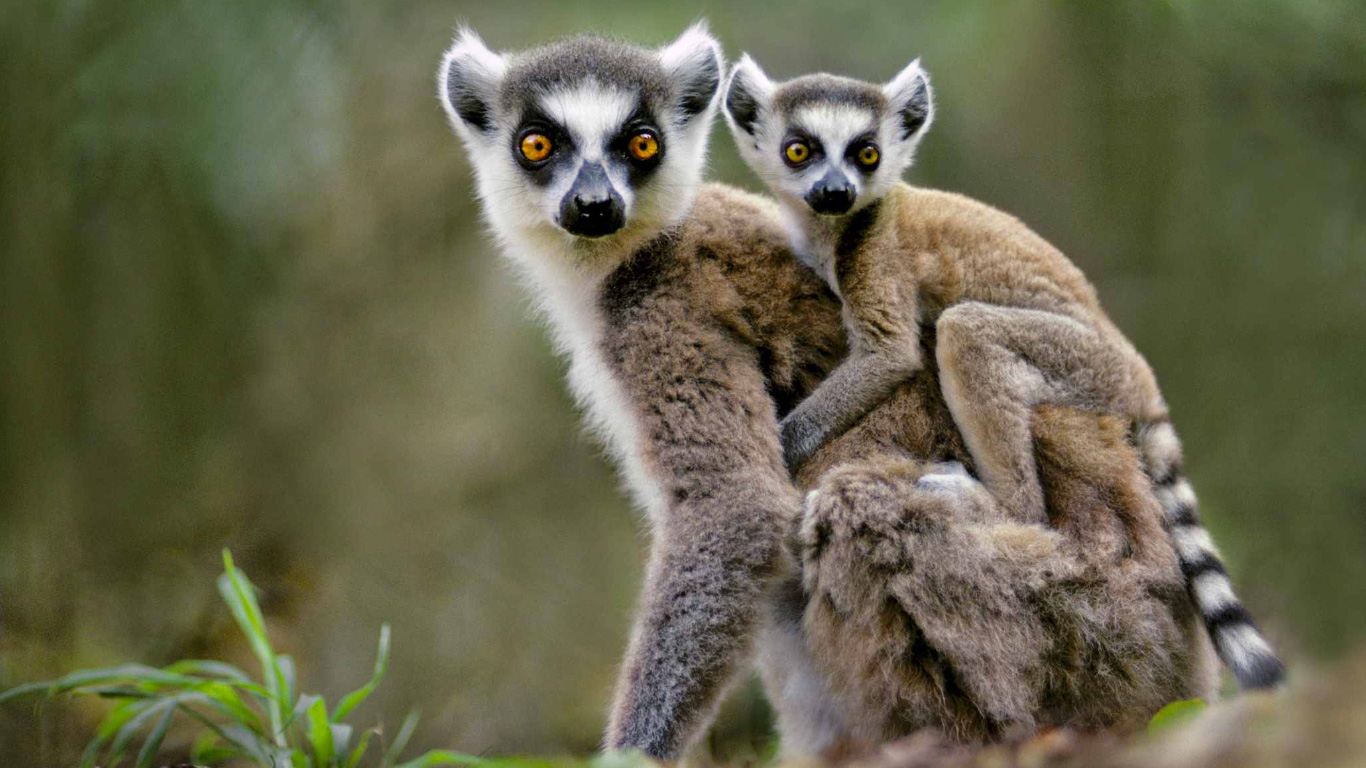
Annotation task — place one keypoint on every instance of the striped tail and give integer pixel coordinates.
(1236, 638)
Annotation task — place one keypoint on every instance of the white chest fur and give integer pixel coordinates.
(812, 245)
(569, 298)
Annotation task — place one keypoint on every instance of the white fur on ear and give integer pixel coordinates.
(467, 82)
(909, 95)
(694, 62)
(748, 92)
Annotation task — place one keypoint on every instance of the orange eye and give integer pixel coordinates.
(536, 147)
(869, 156)
(643, 146)
(797, 152)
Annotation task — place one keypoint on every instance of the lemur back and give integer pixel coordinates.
(1017, 324)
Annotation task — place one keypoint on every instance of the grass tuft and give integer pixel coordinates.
(267, 723)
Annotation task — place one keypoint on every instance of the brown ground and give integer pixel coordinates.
(1319, 722)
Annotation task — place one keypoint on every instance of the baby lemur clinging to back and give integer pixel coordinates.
(690, 328)
(1017, 324)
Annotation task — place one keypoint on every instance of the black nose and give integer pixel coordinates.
(832, 195)
(592, 207)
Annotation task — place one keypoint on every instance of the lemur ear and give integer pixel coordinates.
(693, 63)
(909, 96)
(468, 82)
(748, 92)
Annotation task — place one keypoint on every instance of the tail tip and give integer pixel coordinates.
(1261, 671)
(1246, 652)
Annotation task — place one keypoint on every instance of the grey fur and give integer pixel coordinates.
(827, 89)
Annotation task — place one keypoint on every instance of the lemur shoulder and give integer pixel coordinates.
(1017, 325)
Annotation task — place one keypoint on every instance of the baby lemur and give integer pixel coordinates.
(690, 328)
(1017, 324)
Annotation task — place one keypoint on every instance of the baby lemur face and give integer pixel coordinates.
(582, 142)
(825, 143)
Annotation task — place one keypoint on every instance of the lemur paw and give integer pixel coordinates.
(800, 437)
(946, 476)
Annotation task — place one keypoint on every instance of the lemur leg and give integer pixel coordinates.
(810, 723)
(996, 363)
(918, 601)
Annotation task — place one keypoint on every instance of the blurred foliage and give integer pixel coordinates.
(270, 724)
(246, 300)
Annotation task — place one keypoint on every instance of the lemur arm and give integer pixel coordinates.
(708, 438)
(853, 389)
(880, 311)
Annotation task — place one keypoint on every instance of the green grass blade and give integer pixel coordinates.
(116, 719)
(622, 758)
(441, 757)
(117, 692)
(320, 735)
(300, 713)
(204, 742)
(400, 742)
(136, 673)
(289, 686)
(252, 744)
(240, 596)
(1175, 714)
(132, 673)
(130, 729)
(341, 739)
(353, 699)
(227, 674)
(359, 752)
(208, 749)
(153, 742)
(530, 762)
(230, 703)
(27, 689)
(256, 745)
(208, 667)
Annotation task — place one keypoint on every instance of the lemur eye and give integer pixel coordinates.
(868, 156)
(643, 146)
(797, 152)
(536, 147)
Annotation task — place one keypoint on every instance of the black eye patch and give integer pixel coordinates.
(642, 121)
(534, 121)
(854, 153)
(797, 133)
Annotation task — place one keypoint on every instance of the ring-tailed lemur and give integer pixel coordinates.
(588, 154)
(689, 329)
(1017, 324)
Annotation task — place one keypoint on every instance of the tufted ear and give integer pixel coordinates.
(693, 63)
(748, 92)
(468, 82)
(909, 96)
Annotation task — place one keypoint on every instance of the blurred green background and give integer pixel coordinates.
(246, 301)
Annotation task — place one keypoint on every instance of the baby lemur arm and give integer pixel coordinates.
(878, 291)
(708, 438)
(854, 388)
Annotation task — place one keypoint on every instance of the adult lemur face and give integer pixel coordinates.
(586, 140)
(826, 143)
